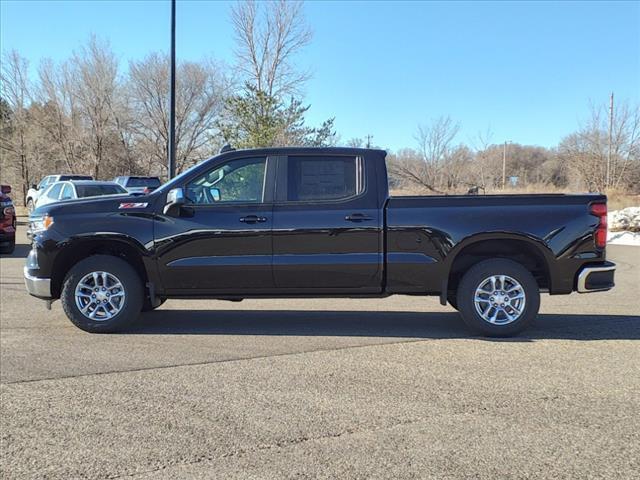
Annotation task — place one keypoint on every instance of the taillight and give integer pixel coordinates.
(600, 211)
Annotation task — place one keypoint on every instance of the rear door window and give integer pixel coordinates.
(318, 178)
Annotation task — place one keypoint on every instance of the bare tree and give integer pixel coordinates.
(95, 70)
(268, 35)
(60, 116)
(16, 92)
(587, 150)
(200, 93)
(435, 144)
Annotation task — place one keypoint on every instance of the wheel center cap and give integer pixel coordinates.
(101, 296)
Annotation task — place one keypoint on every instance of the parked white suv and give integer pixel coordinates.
(71, 190)
(36, 190)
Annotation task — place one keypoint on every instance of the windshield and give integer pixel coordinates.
(98, 190)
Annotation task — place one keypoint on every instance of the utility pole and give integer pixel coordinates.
(369, 137)
(171, 170)
(504, 165)
(608, 179)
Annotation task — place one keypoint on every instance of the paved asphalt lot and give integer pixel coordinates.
(392, 388)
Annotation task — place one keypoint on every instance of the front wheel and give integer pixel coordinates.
(498, 298)
(102, 294)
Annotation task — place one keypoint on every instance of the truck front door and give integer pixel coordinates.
(222, 244)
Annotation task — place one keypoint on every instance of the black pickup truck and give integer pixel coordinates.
(314, 222)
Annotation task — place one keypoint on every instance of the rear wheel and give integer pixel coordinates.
(498, 298)
(102, 294)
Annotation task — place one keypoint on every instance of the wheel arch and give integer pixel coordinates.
(78, 250)
(531, 253)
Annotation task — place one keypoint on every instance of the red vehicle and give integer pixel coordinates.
(7, 221)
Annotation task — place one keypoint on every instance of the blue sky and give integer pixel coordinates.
(526, 70)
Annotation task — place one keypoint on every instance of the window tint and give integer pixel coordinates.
(67, 192)
(75, 177)
(54, 192)
(321, 178)
(143, 182)
(236, 181)
(97, 190)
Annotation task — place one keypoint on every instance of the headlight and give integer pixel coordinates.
(40, 223)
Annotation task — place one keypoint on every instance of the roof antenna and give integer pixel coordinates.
(226, 148)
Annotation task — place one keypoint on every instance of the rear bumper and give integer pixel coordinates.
(38, 287)
(596, 278)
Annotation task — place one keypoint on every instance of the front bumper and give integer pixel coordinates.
(38, 287)
(596, 278)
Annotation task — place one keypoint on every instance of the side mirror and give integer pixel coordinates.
(34, 186)
(175, 200)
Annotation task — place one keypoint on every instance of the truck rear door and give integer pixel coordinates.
(327, 227)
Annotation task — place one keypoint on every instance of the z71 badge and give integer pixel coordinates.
(133, 205)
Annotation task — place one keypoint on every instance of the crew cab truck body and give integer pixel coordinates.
(314, 222)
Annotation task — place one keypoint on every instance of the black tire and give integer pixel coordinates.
(476, 276)
(148, 307)
(131, 283)
(8, 249)
(30, 205)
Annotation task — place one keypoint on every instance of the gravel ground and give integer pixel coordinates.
(393, 388)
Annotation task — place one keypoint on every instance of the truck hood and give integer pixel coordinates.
(103, 204)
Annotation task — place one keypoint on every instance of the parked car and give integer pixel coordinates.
(138, 184)
(7, 221)
(74, 189)
(36, 190)
(315, 222)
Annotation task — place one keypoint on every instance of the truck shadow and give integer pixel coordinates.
(373, 324)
